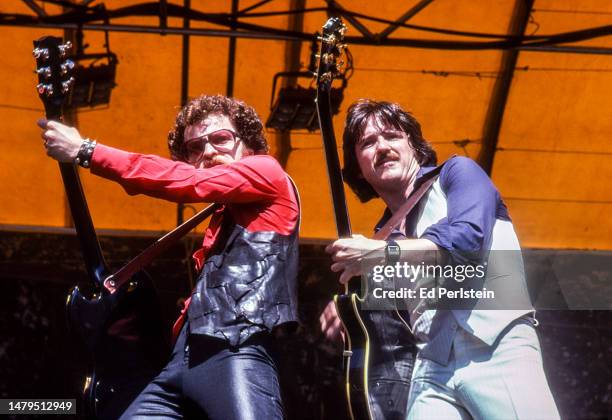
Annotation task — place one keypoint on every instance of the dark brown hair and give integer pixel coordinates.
(390, 115)
(248, 125)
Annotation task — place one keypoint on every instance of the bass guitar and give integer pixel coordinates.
(120, 325)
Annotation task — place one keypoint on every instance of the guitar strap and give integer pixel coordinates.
(145, 257)
(426, 182)
(414, 198)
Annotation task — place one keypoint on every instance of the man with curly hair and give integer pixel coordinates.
(223, 365)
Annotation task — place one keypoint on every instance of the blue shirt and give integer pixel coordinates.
(473, 206)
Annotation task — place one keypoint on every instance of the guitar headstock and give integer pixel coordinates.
(54, 71)
(332, 47)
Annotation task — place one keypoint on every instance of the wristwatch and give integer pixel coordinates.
(392, 252)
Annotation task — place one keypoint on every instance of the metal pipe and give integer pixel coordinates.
(501, 89)
(231, 54)
(392, 42)
(409, 14)
(180, 209)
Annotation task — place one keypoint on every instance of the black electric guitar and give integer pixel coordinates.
(356, 352)
(121, 323)
(379, 346)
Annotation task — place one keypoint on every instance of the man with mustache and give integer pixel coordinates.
(223, 365)
(471, 363)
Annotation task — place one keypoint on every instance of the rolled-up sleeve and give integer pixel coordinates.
(472, 199)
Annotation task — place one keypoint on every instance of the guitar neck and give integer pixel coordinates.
(92, 253)
(343, 224)
(54, 70)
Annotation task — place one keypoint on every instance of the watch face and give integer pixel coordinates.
(392, 252)
(394, 249)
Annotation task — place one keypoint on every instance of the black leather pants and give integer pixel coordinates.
(206, 379)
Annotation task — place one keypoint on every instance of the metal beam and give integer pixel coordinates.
(352, 20)
(305, 37)
(35, 7)
(293, 52)
(163, 14)
(231, 54)
(180, 208)
(409, 14)
(254, 6)
(568, 50)
(185, 59)
(501, 89)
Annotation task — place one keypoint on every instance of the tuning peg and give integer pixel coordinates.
(44, 72)
(341, 47)
(343, 29)
(44, 89)
(67, 84)
(328, 58)
(64, 49)
(326, 77)
(66, 67)
(41, 53)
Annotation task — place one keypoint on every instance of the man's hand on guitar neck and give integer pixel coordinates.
(61, 141)
(348, 254)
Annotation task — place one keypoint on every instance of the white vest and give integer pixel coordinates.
(484, 324)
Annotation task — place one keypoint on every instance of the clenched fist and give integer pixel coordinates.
(61, 141)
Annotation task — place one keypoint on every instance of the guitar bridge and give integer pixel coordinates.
(347, 353)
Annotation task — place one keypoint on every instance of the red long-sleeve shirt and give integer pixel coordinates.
(255, 190)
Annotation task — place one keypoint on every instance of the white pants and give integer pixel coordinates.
(503, 381)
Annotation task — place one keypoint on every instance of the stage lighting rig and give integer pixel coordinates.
(294, 108)
(94, 76)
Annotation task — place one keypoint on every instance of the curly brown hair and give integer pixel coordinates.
(248, 125)
(391, 115)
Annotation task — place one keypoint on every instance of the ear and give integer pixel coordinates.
(247, 151)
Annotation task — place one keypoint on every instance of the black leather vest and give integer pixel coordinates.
(247, 285)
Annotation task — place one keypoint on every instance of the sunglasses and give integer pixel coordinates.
(223, 140)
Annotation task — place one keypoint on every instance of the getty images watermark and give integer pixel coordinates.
(440, 280)
(405, 272)
(492, 280)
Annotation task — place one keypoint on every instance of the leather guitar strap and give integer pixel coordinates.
(145, 257)
(412, 201)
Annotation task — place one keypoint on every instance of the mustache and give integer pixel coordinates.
(381, 158)
(216, 160)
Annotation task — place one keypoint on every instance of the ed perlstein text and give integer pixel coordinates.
(412, 272)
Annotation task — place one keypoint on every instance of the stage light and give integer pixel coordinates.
(94, 75)
(93, 82)
(295, 108)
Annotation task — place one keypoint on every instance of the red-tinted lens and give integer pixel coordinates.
(221, 138)
(195, 148)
